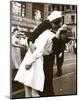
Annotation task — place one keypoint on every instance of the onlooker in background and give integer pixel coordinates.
(16, 53)
(75, 46)
(59, 47)
(24, 44)
(19, 42)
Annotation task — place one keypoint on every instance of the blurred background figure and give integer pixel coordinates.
(24, 44)
(16, 53)
(75, 46)
(19, 48)
(59, 47)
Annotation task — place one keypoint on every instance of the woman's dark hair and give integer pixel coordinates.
(41, 28)
(16, 29)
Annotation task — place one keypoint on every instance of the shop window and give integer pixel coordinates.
(73, 7)
(37, 10)
(72, 19)
(55, 7)
(37, 15)
(63, 19)
(16, 8)
(62, 7)
(23, 12)
(50, 8)
(68, 7)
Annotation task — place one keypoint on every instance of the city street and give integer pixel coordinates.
(64, 85)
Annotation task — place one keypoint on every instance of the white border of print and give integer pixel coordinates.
(5, 48)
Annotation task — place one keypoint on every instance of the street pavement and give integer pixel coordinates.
(63, 85)
(67, 83)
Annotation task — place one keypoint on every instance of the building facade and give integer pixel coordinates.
(24, 14)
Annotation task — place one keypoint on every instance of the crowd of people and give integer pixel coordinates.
(35, 69)
(71, 46)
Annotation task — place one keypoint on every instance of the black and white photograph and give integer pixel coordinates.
(43, 49)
